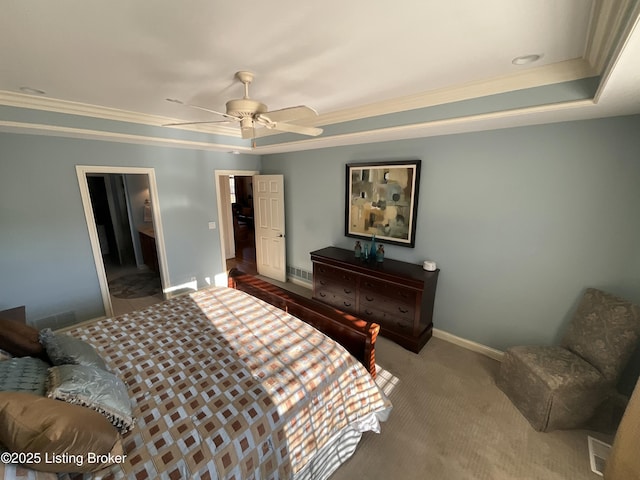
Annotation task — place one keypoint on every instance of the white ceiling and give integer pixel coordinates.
(348, 59)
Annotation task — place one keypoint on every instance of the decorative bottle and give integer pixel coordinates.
(372, 252)
(358, 249)
(380, 254)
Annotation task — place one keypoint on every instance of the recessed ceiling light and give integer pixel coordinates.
(32, 91)
(525, 59)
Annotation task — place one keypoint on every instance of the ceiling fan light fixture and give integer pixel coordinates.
(526, 59)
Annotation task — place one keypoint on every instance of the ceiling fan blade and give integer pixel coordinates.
(288, 127)
(194, 123)
(291, 113)
(173, 100)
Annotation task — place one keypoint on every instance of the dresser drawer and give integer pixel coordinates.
(389, 305)
(342, 302)
(397, 293)
(326, 283)
(335, 275)
(399, 323)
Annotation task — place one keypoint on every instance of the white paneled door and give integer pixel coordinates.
(268, 204)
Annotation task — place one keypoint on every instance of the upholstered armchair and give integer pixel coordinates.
(560, 387)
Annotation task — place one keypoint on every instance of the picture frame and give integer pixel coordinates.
(382, 200)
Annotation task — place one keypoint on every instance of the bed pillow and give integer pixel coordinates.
(24, 374)
(20, 339)
(3, 356)
(43, 426)
(94, 388)
(67, 350)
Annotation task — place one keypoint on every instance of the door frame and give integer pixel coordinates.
(81, 172)
(222, 206)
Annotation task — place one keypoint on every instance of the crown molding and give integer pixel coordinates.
(478, 122)
(607, 23)
(558, 112)
(33, 102)
(83, 133)
(631, 30)
(553, 113)
(532, 77)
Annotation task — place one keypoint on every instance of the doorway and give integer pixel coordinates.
(126, 235)
(237, 222)
(243, 224)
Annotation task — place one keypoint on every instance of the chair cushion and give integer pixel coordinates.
(557, 367)
(604, 331)
(552, 387)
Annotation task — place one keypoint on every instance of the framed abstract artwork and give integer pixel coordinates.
(382, 200)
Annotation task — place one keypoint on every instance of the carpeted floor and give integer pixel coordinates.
(450, 422)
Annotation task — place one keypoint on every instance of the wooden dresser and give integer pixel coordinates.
(397, 295)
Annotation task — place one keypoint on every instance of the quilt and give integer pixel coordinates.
(226, 386)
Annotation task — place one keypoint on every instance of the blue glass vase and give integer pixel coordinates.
(372, 252)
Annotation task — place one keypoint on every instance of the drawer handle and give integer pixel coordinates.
(368, 312)
(322, 282)
(323, 294)
(401, 325)
(347, 304)
(346, 290)
(367, 284)
(402, 310)
(369, 299)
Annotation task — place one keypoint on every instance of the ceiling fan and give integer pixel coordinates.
(252, 114)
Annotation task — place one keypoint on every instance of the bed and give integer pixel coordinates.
(225, 385)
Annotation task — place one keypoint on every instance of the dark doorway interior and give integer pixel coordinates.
(243, 225)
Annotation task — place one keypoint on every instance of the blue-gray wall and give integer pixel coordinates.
(519, 220)
(46, 261)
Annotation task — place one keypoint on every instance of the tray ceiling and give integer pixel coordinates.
(351, 61)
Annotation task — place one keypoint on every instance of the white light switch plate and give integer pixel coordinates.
(212, 225)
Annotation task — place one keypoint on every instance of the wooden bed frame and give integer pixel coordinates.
(356, 335)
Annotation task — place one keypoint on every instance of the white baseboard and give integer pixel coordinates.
(299, 282)
(468, 344)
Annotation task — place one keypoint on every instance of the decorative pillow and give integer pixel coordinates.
(94, 388)
(67, 350)
(20, 339)
(24, 374)
(42, 428)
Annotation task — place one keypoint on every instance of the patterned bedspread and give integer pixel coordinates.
(227, 386)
